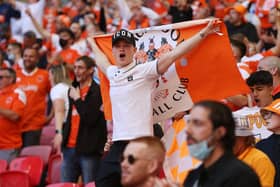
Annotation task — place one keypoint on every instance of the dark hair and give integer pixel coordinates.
(221, 115)
(71, 34)
(260, 78)
(29, 34)
(240, 45)
(12, 73)
(89, 62)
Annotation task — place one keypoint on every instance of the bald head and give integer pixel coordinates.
(154, 147)
(271, 64)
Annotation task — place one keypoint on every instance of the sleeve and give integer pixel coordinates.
(150, 69)
(265, 171)
(19, 102)
(57, 93)
(111, 72)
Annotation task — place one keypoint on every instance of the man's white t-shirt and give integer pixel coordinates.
(60, 91)
(131, 98)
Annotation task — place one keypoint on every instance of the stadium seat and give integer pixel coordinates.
(43, 151)
(3, 165)
(54, 165)
(47, 135)
(14, 179)
(66, 184)
(91, 184)
(31, 165)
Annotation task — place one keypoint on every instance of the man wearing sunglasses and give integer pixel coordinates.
(271, 145)
(142, 162)
(12, 103)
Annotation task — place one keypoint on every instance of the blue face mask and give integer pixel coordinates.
(200, 150)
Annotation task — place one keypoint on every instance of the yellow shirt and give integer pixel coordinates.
(261, 164)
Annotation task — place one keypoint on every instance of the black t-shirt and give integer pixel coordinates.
(178, 15)
(228, 171)
(248, 29)
(271, 147)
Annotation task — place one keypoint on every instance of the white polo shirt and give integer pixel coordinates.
(131, 97)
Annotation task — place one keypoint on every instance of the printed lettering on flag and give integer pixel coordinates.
(208, 71)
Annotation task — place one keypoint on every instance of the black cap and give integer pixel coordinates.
(123, 35)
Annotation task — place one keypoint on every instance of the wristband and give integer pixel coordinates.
(201, 34)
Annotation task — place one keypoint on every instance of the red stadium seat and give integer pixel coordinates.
(43, 151)
(91, 184)
(31, 165)
(14, 179)
(3, 165)
(66, 184)
(47, 135)
(54, 165)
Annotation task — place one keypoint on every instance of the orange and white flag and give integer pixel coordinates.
(208, 71)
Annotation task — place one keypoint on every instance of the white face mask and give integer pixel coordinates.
(11, 56)
(200, 150)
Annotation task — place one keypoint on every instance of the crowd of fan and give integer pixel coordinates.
(47, 45)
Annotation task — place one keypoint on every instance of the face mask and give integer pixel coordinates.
(11, 57)
(200, 150)
(63, 42)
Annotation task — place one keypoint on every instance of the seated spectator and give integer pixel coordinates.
(271, 145)
(210, 138)
(142, 161)
(244, 149)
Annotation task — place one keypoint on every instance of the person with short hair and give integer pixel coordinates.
(142, 160)
(131, 87)
(35, 83)
(210, 138)
(272, 64)
(84, 132)
(12, 105)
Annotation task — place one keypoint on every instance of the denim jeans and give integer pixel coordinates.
(74, 165)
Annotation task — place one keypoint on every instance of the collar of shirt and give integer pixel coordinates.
(31, 73)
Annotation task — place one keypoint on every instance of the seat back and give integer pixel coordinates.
(31, 165)
(91, 184)
(43, 151)
(54, 169)
(47, 135)
(14, 179)
(3, 165)
(66, 184)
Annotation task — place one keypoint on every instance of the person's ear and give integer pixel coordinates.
(153, 166)
(220, 132)
(274, 71)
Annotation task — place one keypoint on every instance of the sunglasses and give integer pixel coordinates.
(130, 159)
(3, 76)
(266, 114)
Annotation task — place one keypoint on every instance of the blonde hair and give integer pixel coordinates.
(60, 74)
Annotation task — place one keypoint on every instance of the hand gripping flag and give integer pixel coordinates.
(209, 71)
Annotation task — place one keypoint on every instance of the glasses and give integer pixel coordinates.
(130, 159)
(4, 76)
(266, 114)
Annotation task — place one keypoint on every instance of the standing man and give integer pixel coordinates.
(210, 138)
(12, 103)
(131, 87)
(84, 132)
(35, 83)
(271, 145)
